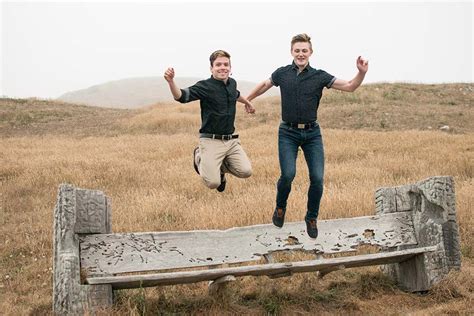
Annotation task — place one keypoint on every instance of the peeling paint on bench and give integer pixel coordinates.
(118, 253)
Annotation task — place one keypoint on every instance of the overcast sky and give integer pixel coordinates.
(50, 48)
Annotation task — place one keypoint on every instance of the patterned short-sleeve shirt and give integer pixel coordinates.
(300, 92)
(218, 100)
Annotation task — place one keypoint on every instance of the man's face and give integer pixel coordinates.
(221, 68)
(301, 51)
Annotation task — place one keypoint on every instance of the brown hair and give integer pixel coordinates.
(302, 38)
(217, 54)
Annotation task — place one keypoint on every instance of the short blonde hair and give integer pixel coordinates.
(217, 54)
(302, 38)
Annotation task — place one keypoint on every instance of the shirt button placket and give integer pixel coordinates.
(298, 105)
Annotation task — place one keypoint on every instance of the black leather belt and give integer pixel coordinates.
(217, 136)
(302, 125)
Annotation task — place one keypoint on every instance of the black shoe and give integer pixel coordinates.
(194, 159)
(312, 227)
(221, 187)
(279, 216)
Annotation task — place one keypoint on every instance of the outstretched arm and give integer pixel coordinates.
(350, 86)
(169, 77)
(260, 89)
(248, 106)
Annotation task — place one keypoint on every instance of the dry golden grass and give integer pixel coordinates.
(145, 166)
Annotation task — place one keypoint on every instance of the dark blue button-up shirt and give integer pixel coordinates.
(300, 93)
(217, 101)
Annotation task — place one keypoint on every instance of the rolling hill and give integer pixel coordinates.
(133, 93)
(377, 107)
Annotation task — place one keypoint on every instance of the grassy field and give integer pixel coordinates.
(382, 135)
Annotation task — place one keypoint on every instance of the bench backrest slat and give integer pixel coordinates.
(119, 253)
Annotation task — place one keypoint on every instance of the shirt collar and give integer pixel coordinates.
(295, 67)
(217, 80)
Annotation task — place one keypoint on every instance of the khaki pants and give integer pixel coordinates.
(216, 156)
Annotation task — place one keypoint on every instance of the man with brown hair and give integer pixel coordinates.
(219, 150)
(301, 88)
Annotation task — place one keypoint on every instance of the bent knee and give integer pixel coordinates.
(211, 183)
(245, 173)
(241, 171)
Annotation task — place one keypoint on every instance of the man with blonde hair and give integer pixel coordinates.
(219, 149)
(301, 88)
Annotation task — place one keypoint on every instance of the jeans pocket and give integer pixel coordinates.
(315, 131)
(285, 127)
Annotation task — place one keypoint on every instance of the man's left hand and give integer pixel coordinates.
(362, 64)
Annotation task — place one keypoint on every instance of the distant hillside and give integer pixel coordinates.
(133, 93)
(28, 117)
(374, 107)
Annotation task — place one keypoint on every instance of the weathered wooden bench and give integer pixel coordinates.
(414, 227)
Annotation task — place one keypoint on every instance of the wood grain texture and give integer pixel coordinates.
(432, 203)
(119, 253)
(77, 211)
(170, 278)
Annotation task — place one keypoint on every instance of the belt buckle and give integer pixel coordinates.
(301, 125)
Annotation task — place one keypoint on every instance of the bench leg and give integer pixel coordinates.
(70, 296)
(322, 273)
(432, 202)
(219, 284)
(77, 211)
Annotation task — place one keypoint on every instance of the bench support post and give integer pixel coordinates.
(432, 203)
(217, 285)
(77, 212)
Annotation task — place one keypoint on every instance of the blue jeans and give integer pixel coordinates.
(310, 140)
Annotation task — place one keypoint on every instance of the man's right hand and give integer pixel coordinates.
(249, 108)
(169, 74)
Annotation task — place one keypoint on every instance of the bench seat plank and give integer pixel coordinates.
(147, 280)
(153, 251)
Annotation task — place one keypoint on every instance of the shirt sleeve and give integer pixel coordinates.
(327, 79)
(195, 92)
(234, 83)
(275, 77)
